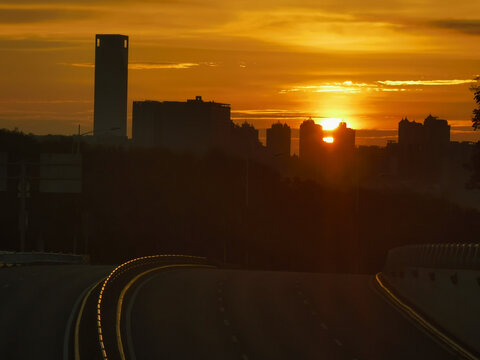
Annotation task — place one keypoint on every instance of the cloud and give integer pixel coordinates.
(348, 87)
(153, 65)
(21, 16)
(33, 44)
(425, 82)
(351, 87)
(464, 26)
(158, 66)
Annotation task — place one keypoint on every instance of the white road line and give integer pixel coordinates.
(324, 326)
(226, 322)
(234, 339)
(338, 342)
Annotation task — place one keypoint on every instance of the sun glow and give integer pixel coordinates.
(330, 123)
(329, 139)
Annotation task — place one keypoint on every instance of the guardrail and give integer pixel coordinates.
(440, 256)
(11, 259)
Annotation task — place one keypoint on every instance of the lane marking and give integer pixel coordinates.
(84, 296)
(338, 342)
(424, 323)
(128, 286)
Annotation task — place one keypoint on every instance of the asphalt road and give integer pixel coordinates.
(224, 314)
(35, 305)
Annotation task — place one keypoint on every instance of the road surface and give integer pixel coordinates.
(227, 314)
(36, 304)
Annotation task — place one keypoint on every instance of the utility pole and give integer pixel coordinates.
(23, 193)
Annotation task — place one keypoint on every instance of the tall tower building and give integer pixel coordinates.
(311, 141)
(111, 79)
(279, 139)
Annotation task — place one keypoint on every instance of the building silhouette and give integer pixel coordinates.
(311, 141)
(423, 149)
(279, 139)
(410, 134)
(344, 137)
(194, 125)
(434, 133)
(111, 80)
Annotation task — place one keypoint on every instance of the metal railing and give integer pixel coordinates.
(440, 256)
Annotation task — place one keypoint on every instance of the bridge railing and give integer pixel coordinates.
(25, 258)
(441, 256)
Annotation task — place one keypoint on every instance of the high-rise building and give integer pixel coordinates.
(436, 132)
(111, 80)
(194, 125)
(410, 134)
(344, 137)
(433, 133)
(279, 139)
(311, 141)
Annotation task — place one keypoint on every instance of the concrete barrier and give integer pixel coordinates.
(442, 281)
(13, 258)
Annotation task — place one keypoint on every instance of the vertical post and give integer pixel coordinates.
(78, 139)
(22, 194)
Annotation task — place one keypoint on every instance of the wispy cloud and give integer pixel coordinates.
(153, 66)
(425, 82)
(464, 25)
(348, 87)
(23, 16)
(351, 87)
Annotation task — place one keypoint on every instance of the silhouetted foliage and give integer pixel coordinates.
(143, 201)
(476, 111)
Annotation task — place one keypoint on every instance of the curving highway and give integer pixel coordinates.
(226, 314)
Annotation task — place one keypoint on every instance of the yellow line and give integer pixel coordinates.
(113, 273)
(79, 319)
(125, 289)
(432, 329)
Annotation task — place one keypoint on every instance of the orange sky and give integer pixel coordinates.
(368, 62)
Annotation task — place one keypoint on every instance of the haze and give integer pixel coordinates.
(369, 63)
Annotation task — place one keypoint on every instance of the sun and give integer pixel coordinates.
(329, 139)
(330, 123)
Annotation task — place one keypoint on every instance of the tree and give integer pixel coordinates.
(476, 111)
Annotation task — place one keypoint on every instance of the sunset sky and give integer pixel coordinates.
(368, 62)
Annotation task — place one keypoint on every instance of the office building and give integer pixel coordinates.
(194, 125)
(111, 80)
(344, 137)
(279, 139)
(311, 141)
